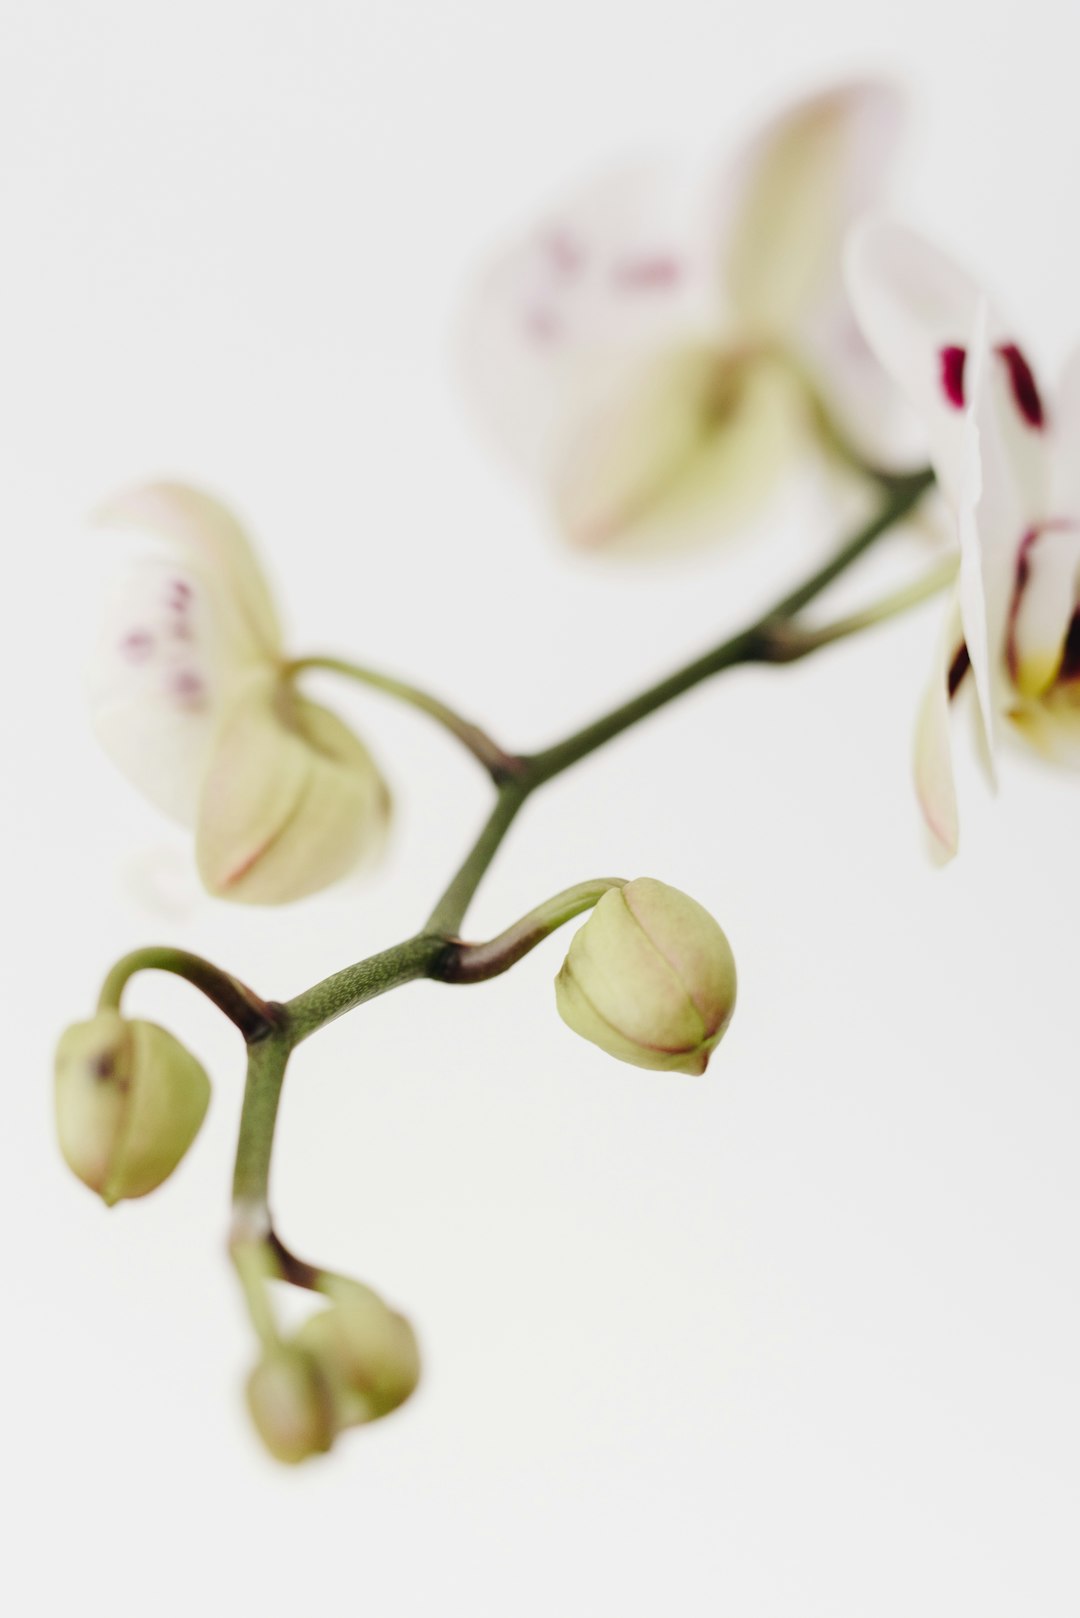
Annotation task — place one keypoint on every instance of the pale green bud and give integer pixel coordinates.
(650, 978)
(368, 1353)
(129, 1102)
(291, 1404)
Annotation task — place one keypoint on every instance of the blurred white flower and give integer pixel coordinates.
(190, 698)
(644, 354)
(1009, 466)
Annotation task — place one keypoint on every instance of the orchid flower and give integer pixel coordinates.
(191, 698)
(1008, 464)
(647, 354)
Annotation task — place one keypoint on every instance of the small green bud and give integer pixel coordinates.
(291, 1404)
(650, 978)
(368, 1353)
(129, 1102)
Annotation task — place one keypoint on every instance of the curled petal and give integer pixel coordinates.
(792, 196)
(291, 799)
(935, 781)
(678, 446)
(212, 544)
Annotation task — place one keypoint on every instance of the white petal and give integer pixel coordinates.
(674, 449)
(934, 332)
(921, 315)
(156, 682)
(212, 543)
(616, 273)
(790, 198)
(935, 782)
(1064, 498)
(1045, 604)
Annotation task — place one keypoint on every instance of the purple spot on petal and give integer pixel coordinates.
(542, 324)
(1024, 387)
(187, 687)
(137, 645)
(649, 273)
(565, 255)
(179, 597)
(952, 361)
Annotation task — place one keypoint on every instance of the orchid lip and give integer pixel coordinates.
(1024, 387)
(952, 360)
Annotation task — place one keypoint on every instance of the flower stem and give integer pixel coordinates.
(475, 963)
(499, 764)
(751, 645)
(436, 952)
(253, 1016)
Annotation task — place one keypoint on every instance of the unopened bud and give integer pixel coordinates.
(367, 1352)
(650, 978)
(129, 1102)
(291, 1404)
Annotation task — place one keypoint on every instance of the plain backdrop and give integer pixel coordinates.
(799, 1340)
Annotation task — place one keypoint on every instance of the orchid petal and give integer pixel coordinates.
(211, 543)
(1045, 605)
(291, 799)
(935, 782)
(791, 198)
(1052, 725)
(156, 681)
(1064, 500)
(674, 448)
(927, 320)
(613, 275)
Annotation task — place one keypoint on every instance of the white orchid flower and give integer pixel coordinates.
(191, 699)
(1009, 466)
(645, 354)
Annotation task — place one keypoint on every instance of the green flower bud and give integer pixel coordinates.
(291, 1404)
(129, 1102)
(367, 1352)
(650, 978)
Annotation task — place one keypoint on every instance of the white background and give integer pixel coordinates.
(799, 1340)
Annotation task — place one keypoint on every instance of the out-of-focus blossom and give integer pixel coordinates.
(649, 353)
(1009, 465)
(190, 698)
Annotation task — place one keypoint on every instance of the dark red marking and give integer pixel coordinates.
(1024, 387)
(952, 360)
(565, 255)
(958, 668)
(1070, 661)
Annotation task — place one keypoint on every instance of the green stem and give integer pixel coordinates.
(417, 957)
(475, 963)
(252, 1015)
(751, 645)
(790, 641)
(435, 952)
(499, 764)
(267, 1060)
